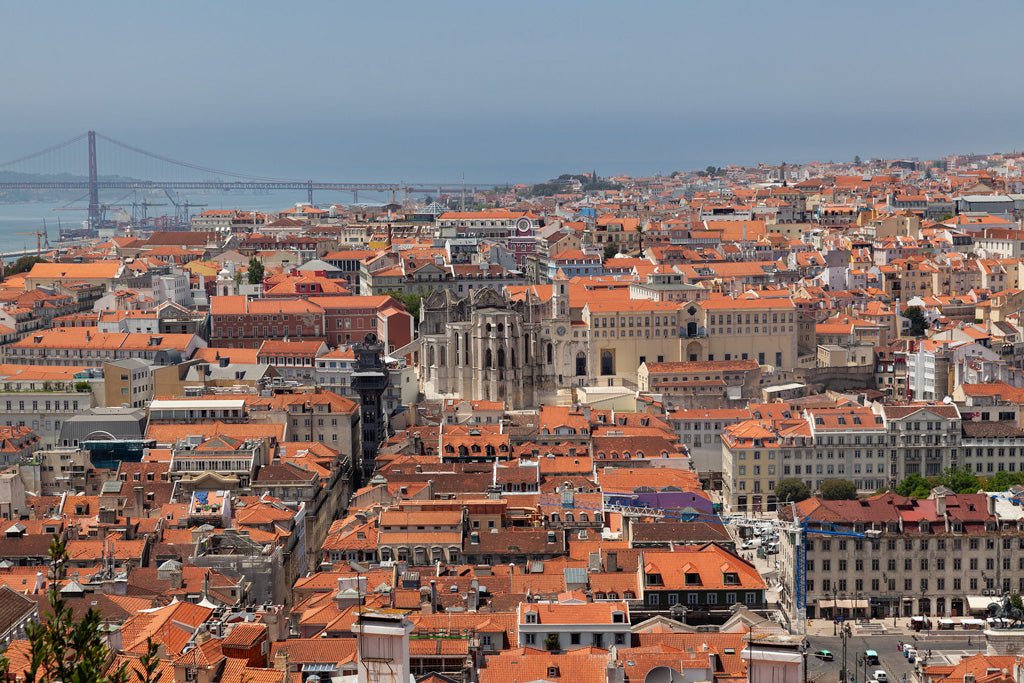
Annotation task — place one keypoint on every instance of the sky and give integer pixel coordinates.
(511, 91)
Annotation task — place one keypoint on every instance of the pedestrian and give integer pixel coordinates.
(899, 646)
(968, 641)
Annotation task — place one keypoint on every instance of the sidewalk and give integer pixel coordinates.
(824, 627)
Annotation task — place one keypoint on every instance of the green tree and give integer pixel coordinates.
(410, 301)
(552, 643)
(1001, 481)
(63, 648)
(792, 491)
(838, 489)
(150, 663)
(915, 486)
(918, 323)
(23, 265)
(610, 250)
(856, 159)
(961, 480)
(256, 271)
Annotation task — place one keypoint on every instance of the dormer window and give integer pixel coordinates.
(553, 672)
(531, 617)
(654, 579)
(618, 618)
(731, 579)
(692, 579)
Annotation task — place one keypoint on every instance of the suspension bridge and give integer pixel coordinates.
(60, 167)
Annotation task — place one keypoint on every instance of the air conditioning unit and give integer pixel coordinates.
(986, 592)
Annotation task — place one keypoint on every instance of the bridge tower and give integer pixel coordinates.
(94, 187)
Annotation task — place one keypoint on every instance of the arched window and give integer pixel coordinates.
(442, 356)
(501, 328)
(488, 358)
(581, 364)
(501, 357)
(526, 347)
(476, 448)
(607, 363)
(513, 363)
(487, 328)
(551, 353)
(430, 355)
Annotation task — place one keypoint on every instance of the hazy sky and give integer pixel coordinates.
(502, 91)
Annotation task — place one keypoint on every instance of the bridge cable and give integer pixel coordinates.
(195, 167)
(40, 153)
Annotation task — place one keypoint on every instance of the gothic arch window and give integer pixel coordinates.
(501, 328)
(487, 328)
(607, 363)
(488, 358)
(430, 355)
(551, 353)
(581, 364)
(465, 347)
(442, 356)
(526, 347)
(501, 357)
(513, 357)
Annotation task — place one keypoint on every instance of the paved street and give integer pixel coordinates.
(943, 651)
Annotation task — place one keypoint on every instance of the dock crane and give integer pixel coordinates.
(181, 207)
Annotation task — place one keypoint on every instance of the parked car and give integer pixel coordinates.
(824, 655)
(881, 676)
(871, 656)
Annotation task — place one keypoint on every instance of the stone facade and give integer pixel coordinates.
(488, 347)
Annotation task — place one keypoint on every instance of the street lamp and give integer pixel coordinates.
(845, 632)
(835, 611)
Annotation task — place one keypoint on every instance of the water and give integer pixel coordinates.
(28, 217)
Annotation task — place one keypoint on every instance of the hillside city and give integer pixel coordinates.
(716, 426)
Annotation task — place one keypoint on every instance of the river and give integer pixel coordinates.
(19, 222)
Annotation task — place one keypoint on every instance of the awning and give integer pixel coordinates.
(945, 621)
(979, 603)
(972, 622)
(843, 604)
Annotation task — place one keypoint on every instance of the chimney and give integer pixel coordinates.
(140, 500)
(991, 505)
(940, 505)
(175, 578)
(281, 660)
(433, 595)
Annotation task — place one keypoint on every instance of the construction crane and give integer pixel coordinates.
(40, 236)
